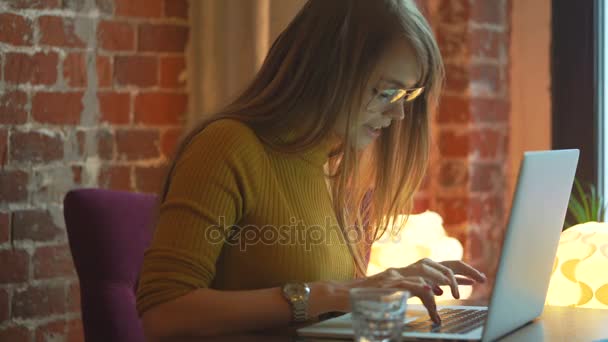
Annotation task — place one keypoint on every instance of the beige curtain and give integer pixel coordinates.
(229, 40)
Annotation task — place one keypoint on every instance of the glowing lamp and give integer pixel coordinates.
(423, 236)
(580, 271)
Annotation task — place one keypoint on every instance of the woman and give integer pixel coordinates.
(270, 205)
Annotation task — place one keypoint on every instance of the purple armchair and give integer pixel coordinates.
(108, 232)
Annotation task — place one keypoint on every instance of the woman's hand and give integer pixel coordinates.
(444, 273)
(421, 279)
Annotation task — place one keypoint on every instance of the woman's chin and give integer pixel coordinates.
(364, 142)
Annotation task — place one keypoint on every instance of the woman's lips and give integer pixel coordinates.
(374, 133)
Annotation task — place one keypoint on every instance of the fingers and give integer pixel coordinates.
(447, 275)
(462, 268)
(419, 288)
(432, 274)
(465, 281)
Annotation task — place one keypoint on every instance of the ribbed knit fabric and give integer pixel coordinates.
(273, 208)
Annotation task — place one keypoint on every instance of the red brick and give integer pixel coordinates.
(488, 12)
(59, 31)
(136, 70)
(454, 110)
(4, 228)
(487, 177)
(33, 4)
(38, 301)
(149, 179)
(172, 72)
(135, 144)
(77, 175)
(35, 225)
(453, 210)
(75, 331)
(115, 107)
(3, 146)
(116, 36)
(457, 78)
(15, 334)
(105, 144)
(176, 9)
(35, 147)
(14, 186)
(159, 108)
(139, 8)
(454, 145)
(490, 110)
(12, 108)
(115, 177)
(485, 80)
(74, 297)
(168, 141)
(452, 42)
(489, 143)
(453, 174)
(475, 245)
(489, 209)
(455, 12)
(80, 140)
(57, 108)
(52, 331)
(421, 204)
(75, 70)
(426, 183)
(52, 262)
(104, 71)
(39, 68)
(18, 271)
(15, 29)
(162, 38)
(4, 305)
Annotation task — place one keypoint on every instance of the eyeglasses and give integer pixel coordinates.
(384, 99)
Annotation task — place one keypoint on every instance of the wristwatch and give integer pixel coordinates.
(297, 295)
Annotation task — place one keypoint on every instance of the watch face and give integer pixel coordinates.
(296, 291)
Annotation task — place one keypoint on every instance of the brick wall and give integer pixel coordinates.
(467, 180)
(92, 94)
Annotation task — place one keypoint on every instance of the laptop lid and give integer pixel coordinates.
(531, 239)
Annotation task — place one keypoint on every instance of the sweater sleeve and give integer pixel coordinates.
(211, 189)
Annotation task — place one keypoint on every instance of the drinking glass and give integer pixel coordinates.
(378, 313)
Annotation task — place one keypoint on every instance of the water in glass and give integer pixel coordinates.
(378, 314)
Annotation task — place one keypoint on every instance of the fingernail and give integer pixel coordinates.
(438, 291)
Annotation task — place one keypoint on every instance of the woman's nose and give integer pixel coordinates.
(396, 111)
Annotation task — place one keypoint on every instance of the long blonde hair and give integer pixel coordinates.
(315, 71)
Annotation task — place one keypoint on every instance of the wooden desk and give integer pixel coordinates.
(555, 324)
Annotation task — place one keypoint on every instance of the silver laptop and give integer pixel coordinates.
(524, 270)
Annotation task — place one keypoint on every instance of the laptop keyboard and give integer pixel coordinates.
(453, 321)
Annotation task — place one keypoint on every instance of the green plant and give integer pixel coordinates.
(585, 206)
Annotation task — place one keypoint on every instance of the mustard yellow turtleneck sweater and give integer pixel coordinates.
(273, 208)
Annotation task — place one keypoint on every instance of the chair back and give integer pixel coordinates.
(108, 232)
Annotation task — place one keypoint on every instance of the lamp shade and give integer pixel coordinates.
(580, 271)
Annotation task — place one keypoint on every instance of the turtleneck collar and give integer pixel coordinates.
(317, 155)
